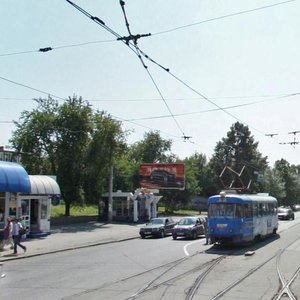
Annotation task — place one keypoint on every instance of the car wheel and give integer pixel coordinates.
(174, 236)
(162, 234)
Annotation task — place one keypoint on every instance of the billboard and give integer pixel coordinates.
(162, 176)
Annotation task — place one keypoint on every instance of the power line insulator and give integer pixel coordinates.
(45, 49)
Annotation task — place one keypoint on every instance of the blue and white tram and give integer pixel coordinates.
(239, 218)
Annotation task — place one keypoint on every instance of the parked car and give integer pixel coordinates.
(285, 213)
(296, 207)
(159, 227)
(189, 227)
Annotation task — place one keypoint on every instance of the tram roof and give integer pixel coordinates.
(242, 198)
(13, 178)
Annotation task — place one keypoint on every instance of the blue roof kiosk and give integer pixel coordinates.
(27, 197)
(13, 180)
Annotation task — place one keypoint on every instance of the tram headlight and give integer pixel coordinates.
(231, 230)
(211, 230)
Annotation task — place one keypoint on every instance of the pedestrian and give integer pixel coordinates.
(17, 235)
(206, 230)
(7, 235)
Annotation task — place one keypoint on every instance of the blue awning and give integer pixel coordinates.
(13, 178)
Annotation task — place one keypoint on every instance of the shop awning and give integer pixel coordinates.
(13, 178)
(43, 185)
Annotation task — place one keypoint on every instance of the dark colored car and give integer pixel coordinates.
(162, 177)
(189, 227)
(159, 227)
(285, 213)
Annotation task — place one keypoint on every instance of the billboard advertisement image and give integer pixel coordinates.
(162, 176)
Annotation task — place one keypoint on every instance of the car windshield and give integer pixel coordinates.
(187, 222)
(157, 221)
(282, 210)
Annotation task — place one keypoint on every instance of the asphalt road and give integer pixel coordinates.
(156, 268)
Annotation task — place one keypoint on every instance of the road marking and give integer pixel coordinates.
(187, 245)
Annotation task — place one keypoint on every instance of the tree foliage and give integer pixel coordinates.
(72, 142)
(152, 149)
(289, 178)
(105, 146)
(239, 152)
(73, 127)
(79, 145)
(35, 137)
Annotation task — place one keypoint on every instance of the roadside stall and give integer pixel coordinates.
(140, 206)
(34, 208)
(27, 197)
(13, 180)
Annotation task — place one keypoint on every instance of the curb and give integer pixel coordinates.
(28, 255)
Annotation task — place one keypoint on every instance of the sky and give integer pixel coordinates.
(228, 61)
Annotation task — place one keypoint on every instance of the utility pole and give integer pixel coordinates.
(110, 197)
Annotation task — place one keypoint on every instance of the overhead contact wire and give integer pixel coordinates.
(122, 3)
(140, 53)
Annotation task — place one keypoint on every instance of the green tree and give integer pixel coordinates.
(152, 149)
(290, 177)
(204, 179)
(274, 184)
(73, 128)
(106, 145)
(238, 151)
(125, 173)
(35, 138)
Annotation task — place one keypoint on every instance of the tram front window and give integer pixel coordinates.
(222, 210)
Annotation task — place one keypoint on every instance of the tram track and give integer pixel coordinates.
(171, 276)
(194, 288)
(188, 278)
(152, 285)
(285, 290)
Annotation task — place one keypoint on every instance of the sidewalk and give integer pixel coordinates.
(68, 237)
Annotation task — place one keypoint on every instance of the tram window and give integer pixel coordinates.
(238, 211)
(230, 210)
(270, 208)
(273, 208)
(255, 210)
(221, 210)
(260, 210)
(213, 210)
(264, 209)
(248, 211)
